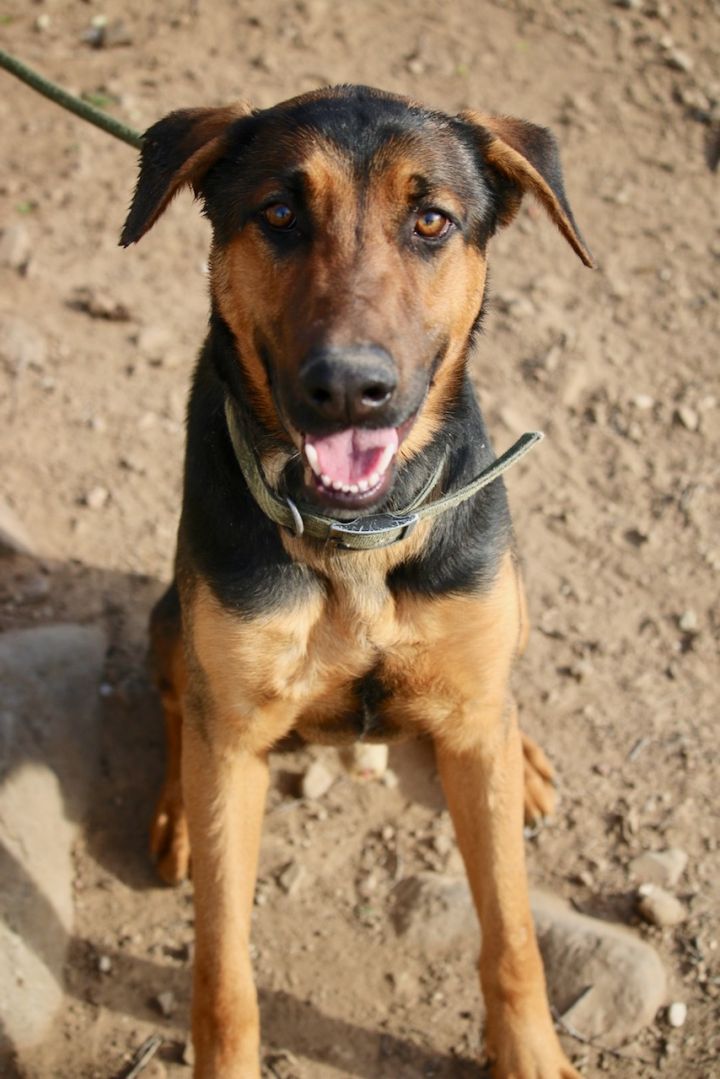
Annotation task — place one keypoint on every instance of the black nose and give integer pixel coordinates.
(348, 384)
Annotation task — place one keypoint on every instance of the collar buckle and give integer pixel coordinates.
(394, 527)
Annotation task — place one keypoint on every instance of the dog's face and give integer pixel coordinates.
(349, 238)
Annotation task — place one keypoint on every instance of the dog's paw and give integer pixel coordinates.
(169, 839)
(529, 1052)
(540, 796)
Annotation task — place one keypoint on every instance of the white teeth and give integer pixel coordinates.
(363, 485)
(373, 480)
(327, 482)
(337, 485)
(354, 488)
(312, 456)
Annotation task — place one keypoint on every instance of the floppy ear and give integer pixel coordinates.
(176, 152)
(527, 156)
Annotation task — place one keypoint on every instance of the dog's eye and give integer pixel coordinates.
(279, 216)
(432, 224)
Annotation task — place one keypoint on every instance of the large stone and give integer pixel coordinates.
(605, 982)
(435, 913)
(48, 759)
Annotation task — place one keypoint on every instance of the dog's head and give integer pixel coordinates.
(350, 230)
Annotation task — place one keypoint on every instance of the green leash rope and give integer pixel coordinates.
(68, 101)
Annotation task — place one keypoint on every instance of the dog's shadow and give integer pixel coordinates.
(115, 833)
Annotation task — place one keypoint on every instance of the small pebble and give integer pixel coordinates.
(188, 1054)
(104, 964)
(290, 877)
(678, 60)
(96, 497)
(688, 417)
(659, 907)
(688, 622)
(317, 781)
(166, 1002)
(677, 1013)
(369, 761)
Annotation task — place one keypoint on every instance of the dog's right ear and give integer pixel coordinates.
(176, 152)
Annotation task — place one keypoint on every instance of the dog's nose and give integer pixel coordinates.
(349, 384)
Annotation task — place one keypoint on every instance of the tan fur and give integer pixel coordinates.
(516, 167)
(234, 686)
(363, 289)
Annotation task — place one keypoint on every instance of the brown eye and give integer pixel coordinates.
(279, 216)
(432, 224)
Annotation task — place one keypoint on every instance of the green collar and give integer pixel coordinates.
(364, 533)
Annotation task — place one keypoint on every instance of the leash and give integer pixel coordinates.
(69, 101)
(364, 533)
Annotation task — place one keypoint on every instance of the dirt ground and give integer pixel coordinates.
(616, 513)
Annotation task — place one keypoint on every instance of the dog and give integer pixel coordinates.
(345, 564)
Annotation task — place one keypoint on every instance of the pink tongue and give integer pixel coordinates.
(354, 454)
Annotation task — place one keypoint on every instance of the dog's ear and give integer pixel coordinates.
(176, 152)
(526, 157)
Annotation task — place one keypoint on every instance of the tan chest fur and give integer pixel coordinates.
(439, 661)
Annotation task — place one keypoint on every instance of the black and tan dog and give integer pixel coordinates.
(341, 569)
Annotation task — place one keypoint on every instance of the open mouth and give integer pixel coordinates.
(353, 467)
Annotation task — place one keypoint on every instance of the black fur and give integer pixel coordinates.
(238, 550)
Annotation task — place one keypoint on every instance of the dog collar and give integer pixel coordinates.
(364, 533)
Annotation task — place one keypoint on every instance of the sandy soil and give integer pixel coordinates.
(616, 514)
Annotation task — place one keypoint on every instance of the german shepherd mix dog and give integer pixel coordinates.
(345, 564)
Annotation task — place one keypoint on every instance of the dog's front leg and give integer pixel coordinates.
(224, 786)
(483, 783)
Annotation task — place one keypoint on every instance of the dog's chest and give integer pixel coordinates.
(352, 659)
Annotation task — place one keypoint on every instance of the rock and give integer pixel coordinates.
(21, 345)
(13, 537)
(48, 758)
(643, 402)
(96, 497)
(98, 305)
(367, 761)
(688, 417)
(678, 60)
(688, 622)
(15, 248)
(290, 877)
(104, 964)
(677, 1014)
(435, 913)
(626, 977)
(317, 781)
(658, 907)
(664, 867)
(188, 1054)
(166, 1002)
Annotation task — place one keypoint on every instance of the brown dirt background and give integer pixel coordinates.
(617, 513)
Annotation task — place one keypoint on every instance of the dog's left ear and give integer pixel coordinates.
(176, 152)
(526, 157)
